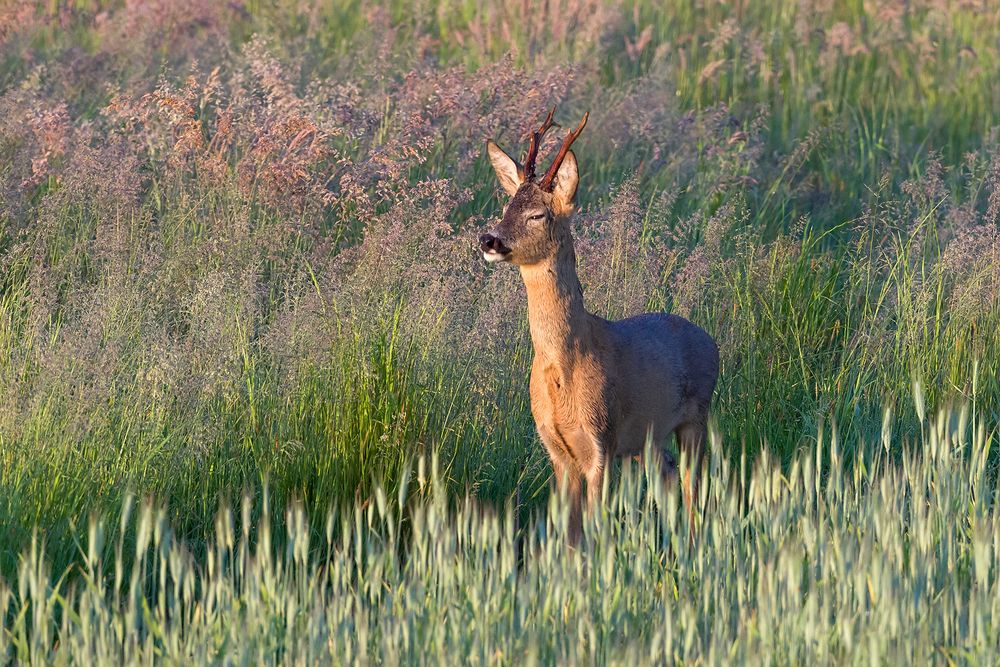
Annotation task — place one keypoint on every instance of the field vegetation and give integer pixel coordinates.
(239, 274)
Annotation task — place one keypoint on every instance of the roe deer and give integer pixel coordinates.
(599, 388)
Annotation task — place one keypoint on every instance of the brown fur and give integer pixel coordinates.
(599, 388)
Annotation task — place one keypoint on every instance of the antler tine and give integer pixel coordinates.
(533, 145)
(550, 175)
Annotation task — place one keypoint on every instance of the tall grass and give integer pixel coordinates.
(830, 563)
(237, 240)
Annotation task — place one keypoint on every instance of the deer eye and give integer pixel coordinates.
(536, 216)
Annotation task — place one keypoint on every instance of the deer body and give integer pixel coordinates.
(599, 388)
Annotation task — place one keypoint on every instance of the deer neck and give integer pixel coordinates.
(556, 316)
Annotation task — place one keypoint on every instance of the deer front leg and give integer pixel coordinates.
(569, 482)
(570, 487)
(592, 452)
(595, 484)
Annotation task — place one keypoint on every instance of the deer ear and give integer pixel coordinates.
(564, 189)
(506, 168)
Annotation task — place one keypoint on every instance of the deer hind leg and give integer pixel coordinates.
(644, 441)
(665, 463)
(691, 439)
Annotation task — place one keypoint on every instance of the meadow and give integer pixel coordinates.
(261, 400)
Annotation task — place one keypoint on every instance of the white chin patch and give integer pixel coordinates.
(492, 257)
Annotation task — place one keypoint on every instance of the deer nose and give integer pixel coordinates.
(491, 243)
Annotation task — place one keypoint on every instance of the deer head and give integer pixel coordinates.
(535, 220)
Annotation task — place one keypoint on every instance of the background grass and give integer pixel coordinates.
(237, 241)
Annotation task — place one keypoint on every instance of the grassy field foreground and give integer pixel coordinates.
(238, 252)
(873, 563)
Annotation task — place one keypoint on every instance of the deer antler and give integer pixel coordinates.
(528, 170)
(550, 175)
